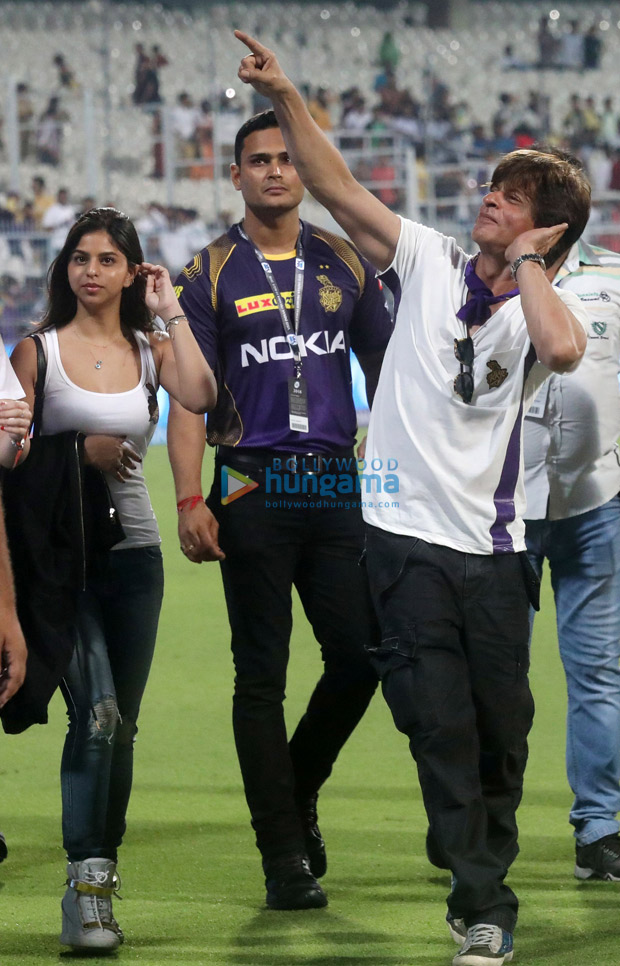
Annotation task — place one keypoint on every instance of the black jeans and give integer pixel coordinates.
(453, 663)
(268, 550)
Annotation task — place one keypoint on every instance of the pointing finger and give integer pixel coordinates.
(254, 45)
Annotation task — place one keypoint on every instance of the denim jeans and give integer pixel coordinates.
(117, 622)
(453, 664)
(584, 560)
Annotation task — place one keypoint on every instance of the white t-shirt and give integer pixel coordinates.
(132, 414)
(10, 387)
(459, 465)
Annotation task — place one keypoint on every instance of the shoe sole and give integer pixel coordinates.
(313, 902)
(584, 874)
(80, 946)
(476, 960)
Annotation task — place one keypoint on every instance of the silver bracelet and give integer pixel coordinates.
(174, 321)
(531, 257)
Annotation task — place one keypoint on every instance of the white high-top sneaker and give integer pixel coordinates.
(87, 920)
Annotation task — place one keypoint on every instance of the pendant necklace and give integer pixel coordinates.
(98, 362)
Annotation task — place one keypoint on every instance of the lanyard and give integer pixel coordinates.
(291, 330)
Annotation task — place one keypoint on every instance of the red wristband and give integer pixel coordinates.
(190, 502)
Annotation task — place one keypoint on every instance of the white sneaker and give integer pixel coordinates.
(485, 945)
(87, 920)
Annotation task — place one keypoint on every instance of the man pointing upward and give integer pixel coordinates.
(473, 339)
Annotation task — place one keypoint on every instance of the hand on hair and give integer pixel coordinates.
(160, 296)
(536, 241)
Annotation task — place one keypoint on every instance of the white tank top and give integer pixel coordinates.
(133, 414)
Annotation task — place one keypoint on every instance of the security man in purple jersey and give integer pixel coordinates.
(275, 305)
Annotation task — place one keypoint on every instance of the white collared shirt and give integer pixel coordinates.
(572, 462)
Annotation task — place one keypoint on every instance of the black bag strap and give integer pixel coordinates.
(39, 389)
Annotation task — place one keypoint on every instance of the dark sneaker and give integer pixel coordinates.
(290, 883)
(458, 929)
(485, 945)
(600, 860)
(3, 849)
(315, 846)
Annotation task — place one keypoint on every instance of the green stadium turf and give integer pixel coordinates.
(192, 886)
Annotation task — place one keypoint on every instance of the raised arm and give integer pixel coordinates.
(557, 336)
(321, 167)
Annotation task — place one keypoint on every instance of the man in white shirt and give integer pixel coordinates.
(572, 479)
(58, 220)
(447, 566)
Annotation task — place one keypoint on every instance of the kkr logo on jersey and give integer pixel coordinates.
(320, 343)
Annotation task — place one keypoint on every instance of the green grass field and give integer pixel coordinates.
(192, 886)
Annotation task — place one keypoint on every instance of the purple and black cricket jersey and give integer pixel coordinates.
(233, 314)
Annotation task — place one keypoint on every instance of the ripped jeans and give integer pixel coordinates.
(117, 622)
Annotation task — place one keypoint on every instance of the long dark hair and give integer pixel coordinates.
(62, 303)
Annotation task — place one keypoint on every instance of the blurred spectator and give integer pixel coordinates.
(26, 217)
(547, 44)
(570, 50)
(85, 205)
(154, 219)
(573, 125)
(533, 118)
(319, 107)
(42, 199)
(505, 113)
(510, 61)
(501, 142)
(599, 167)
(25, 119)
(66, 77)
(614, 181)
(58, 220)
(141, 70)
(391, 98)
(178, 245)
(13, 203)
(146, 74)
(357, 117)
(591, 121)
(157, 135)
(408, 122)
(592, 48)
(479, 147)
(49, 133)
(204, 141)
(383, 177)
(608, 132)
(389, 55)
(185, 118)
(158, 60)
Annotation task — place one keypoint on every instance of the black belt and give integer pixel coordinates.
(307, 464)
